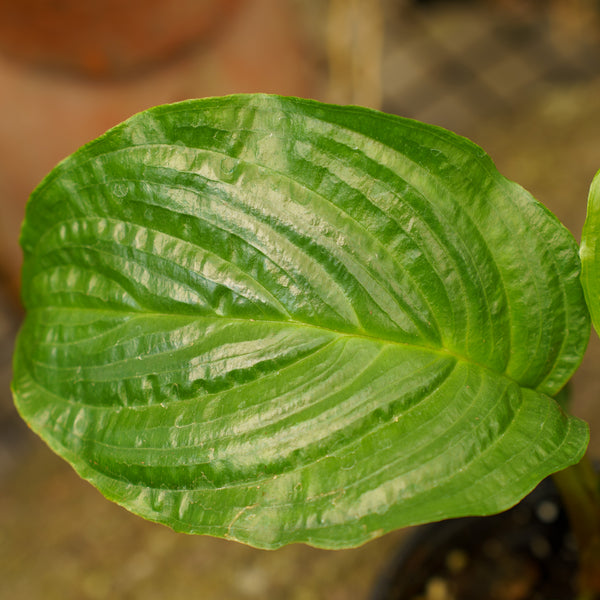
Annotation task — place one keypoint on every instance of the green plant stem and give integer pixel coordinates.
(579, 487)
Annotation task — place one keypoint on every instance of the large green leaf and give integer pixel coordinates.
(274, 320)
(590, 253)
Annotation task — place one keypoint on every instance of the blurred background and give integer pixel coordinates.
(519, 77)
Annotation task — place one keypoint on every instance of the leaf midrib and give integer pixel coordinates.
(364, 335)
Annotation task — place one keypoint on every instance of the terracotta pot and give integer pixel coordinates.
(107, 38)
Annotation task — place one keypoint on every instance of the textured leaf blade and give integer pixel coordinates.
(274, 320)
(590, 250)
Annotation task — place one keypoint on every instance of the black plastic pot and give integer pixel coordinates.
(526, 553)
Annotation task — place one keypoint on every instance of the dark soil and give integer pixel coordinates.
(526, 553)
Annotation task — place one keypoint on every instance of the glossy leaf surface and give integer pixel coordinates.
(590, 253)
(274, 320)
